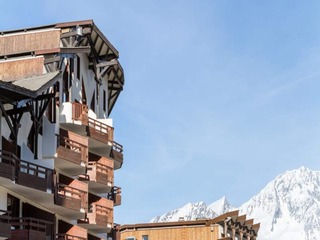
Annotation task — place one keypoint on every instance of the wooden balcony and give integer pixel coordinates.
(7, 165)
(25, 173)
(30, 228)
(116, 153)
(100, 174)
(115, 196)
(100, 131)
(5, 225)
(95, 128)
(34, 176)
(100, 215)
(70, 197)
(71, 156)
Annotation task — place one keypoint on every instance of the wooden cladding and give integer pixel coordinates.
(29, 42)
(21, 68)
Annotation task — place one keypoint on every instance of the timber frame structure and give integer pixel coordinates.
(228, 226)
(58, 86)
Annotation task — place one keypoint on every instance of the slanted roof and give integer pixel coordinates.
(26, 88)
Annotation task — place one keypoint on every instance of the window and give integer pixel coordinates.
(104, 100)
(145, 237)
(130, 238)
(78, 67)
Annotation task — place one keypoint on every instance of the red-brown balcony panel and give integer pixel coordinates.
(30, 228)
(5, 225)
(115, 195)
(116, 153)
(100, 215)
(25, 173)
(100, 174)
(68, 231)
(72, 154)
(99, 131)
(7, 165)
(34, 176)
(96, 129)
(71, 194)
(80, 113)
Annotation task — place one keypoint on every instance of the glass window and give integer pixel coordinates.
(145, 237)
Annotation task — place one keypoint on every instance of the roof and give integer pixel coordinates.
(25, 88)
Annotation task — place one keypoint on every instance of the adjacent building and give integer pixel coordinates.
(229, 226)
(58, 86)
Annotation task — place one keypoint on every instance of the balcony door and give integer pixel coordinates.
(13, 206)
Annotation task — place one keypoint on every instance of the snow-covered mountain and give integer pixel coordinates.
(288, 208)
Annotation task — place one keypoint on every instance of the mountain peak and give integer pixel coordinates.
(221, 206)
(287, 208)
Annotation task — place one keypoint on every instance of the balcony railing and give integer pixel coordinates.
(80, 112)
(64, 236)
(71, 197)
(34, 176)
(30, 228)
(115, 196)
(96, 129)
(116, 151)
(100, 173)
(101, 215)
(72, 151)
(7, 165)
(25, 173)
(5, 225)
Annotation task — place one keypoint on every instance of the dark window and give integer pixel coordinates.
(31, 139)
(83, 93)
(13, 205)
(65, 86)
(104, 101)
(93, 102)
(78, 67)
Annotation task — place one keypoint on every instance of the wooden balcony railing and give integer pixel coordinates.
(96, 129)
(7, 165)
(100, 173)
(64, 236)
(117, 151)
(72, 151)
(80, 112)
(100, 131)
(5, 225)
(115, 195)
(25, 173)
(103, 214)
(34, 176)
(30, 228)
(71, 197)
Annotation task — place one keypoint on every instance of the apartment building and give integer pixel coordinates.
(58, 86)
(228, 226)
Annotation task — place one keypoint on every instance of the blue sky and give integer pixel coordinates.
(221, 96)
